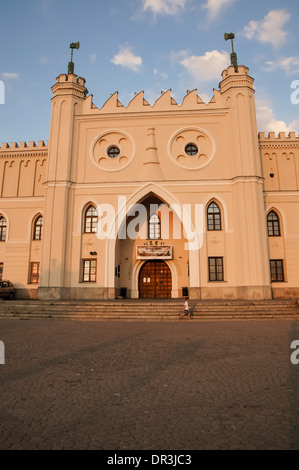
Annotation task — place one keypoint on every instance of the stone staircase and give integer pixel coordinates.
(151, 310)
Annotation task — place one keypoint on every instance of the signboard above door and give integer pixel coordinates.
(154, 252)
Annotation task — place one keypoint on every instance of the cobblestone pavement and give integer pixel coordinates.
(153, 386)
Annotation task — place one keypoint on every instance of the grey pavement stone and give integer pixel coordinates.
(152, 386)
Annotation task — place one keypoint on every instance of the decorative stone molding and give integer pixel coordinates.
(24, 149)
(198, 137)
(70, 84)
(112, 138)
(283, 141)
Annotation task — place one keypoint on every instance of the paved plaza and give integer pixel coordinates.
(148, 385)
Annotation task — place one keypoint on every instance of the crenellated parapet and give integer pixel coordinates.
(237, 80)
(70, 85)
(280, 159)
(165, 103)
(21, 149)
(282, 140)
(23, 169)
(191, 102)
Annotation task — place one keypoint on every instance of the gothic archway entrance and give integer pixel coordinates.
(155, 281)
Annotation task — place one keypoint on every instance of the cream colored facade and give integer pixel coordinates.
(246, 221)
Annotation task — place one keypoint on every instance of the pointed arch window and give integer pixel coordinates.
(91, 220)
(154, 227)
(214, 217)
(38, 228)
(3, 229)
(273, 224)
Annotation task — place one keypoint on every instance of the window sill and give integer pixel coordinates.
(217, 282)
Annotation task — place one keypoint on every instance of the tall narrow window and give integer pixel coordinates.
(216, 270)
(214, 217)
(3, 229)
(34, 275)
(273, 224)
(154, 227)
(277, 274)
(38, 228)
(1, 271)
(91, 220)
(89, 270)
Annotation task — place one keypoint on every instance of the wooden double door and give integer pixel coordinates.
(155, 281)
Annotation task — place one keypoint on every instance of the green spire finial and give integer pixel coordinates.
(233, 56)
(71, 65)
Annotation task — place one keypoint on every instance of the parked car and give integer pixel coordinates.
(7, 290)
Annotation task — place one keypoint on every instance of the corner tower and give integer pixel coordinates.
(252, 273)
(69, 94)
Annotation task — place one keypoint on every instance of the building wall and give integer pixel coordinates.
(280, 157)
(232, 169)
(22, 174)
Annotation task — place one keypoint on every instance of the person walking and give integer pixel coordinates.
(186, 310)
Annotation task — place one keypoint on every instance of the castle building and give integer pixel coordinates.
(152, 201)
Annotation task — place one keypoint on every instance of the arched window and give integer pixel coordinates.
(214, 217)
(91, 220)
(38, 228)
(273, 224)
(154, 227)
(3, 229)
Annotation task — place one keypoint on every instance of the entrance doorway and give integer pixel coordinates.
(155, 281)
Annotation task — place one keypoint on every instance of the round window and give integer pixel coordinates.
(113, 152)
(191, 150)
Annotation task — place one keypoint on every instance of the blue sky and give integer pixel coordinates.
(151, 45)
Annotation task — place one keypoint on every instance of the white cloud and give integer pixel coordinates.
(207, 67)
(267, 122)
(178, 56)
(269, 29)
(290, 65)
(127, 59)
(168, 7)
(10, 76)
(214, 7)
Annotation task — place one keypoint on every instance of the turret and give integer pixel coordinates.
(69, 94)
(238, 91)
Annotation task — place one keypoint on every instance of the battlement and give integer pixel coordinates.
(70, 78)
(230, 71)
(31, 145)
(70, 85)
(272, 136)
(165, 102)
(280, 141)
(191, 101)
